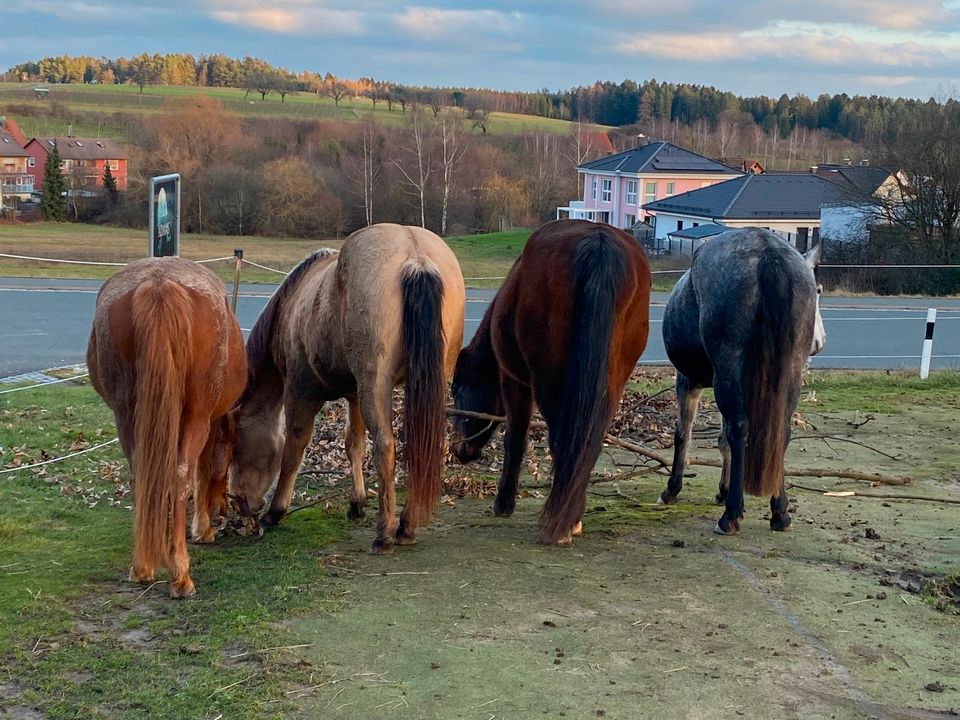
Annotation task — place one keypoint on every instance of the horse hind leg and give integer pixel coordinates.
(729, 397)
(724, 484)
(779, 513)
(688, 398)
(193, 441)
(354, 441)
(376, 407)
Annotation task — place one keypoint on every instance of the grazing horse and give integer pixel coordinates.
(566, 328)
(743, 320)
(166, 355)
(386, 310)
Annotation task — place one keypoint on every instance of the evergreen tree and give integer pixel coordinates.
(109, 183)
(53, 203)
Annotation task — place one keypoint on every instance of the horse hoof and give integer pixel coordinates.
(272, 518)
(204, 538)
(733, 527)
(666, 499)
(183, 589)
(577, 529)
(140, 576)
(720, 499)
(406, 539)
(565, 541)
(381, 547)
(781, 524)
(504, 510)
(356, 511)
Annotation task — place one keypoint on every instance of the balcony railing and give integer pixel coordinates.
(17, 182)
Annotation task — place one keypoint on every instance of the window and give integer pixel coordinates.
(696, 224)
(31, 162)
(594, 189)
(649, 193)
(607, 195)
(679, 224)
(113, 164)
(631, 192)
(670, 189)
(629, 220)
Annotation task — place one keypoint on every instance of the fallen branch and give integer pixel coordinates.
(633, 447)
(840, 438)
(882, 496)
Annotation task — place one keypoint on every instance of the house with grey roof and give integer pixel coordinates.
(616, 187)
(787, 203)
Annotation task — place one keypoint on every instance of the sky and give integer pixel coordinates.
(887, 47)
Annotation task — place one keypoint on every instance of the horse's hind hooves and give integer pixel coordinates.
(356, 511)
(781, 526)
(666, 499)
(732, 529)
(381, 547)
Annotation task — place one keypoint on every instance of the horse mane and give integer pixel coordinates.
(259, 354)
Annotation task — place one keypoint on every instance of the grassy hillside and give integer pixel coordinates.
(95, 105)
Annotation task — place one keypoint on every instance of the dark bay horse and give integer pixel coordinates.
(566, 328)
(386, 310)
(743, 320)
(166, 355)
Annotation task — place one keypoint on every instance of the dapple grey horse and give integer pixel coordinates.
(743, 320)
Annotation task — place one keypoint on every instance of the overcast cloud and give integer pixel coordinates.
(750, 46)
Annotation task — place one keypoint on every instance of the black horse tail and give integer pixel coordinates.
(424, 419)
(576, 435)
(769, 376)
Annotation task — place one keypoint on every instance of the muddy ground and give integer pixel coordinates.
(652, 615)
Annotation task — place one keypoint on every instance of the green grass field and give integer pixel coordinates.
(92, 108)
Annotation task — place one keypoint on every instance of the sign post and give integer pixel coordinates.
(164, 223)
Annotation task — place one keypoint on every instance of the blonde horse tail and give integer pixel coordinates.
(161, 313)
(424, 420)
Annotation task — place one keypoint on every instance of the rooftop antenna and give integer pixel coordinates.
(641, 140)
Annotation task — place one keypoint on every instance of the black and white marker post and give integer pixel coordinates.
(927, 344)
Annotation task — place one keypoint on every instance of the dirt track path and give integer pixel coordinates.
(478, 621)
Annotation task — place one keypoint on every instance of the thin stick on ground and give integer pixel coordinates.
(847, 473)
(879, 496)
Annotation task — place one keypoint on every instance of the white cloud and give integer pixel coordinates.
(300, 17)
(455, 25)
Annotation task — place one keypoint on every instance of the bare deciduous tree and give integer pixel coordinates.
(453, 148)
(417, 152)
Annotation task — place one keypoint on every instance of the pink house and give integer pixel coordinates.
(616, 187)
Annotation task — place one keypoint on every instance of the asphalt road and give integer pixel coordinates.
(44, 323)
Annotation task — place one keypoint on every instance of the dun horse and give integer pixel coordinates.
(387, 310)
(566, 328)
(166, 355)
(743, 320)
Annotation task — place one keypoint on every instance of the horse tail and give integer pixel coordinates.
(424, 419)
(162, 319)
(769, 372)
(599, 274)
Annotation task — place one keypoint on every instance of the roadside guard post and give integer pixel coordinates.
(927, 344)
(164, 223)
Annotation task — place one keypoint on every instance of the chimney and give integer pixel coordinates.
(641, 140)
(813, 169)
(847, 161)
(865, 162)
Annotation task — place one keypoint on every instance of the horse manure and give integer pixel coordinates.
(936, 687)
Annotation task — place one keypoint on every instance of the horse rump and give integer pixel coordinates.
(424, 419)
(599, 273)
(769, 371)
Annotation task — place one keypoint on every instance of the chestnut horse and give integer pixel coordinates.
(166, 355)
(743, 320)
(386, 310)
(566, 328)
